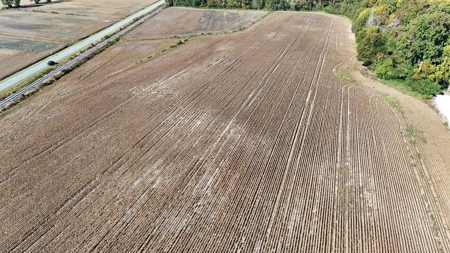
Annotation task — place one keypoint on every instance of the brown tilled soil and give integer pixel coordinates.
(31, 33)
(239, 142)
(185, 21)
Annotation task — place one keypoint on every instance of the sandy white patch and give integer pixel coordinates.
(443, 104)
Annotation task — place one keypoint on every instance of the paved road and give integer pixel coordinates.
(22, 75)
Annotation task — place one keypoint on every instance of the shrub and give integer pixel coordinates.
(403, 71)
(424, 87)
(385, 69)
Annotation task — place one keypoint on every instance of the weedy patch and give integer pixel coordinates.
(414, 132)
(344, 77)
(394, 103)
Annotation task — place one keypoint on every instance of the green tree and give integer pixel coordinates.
(442, 71)
(425, 69)
(372, 45)
(425, 38)
(361, 21)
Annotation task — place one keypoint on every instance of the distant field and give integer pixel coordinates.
(240, 142)
(47, 26)
(30, 33)
(101, 9)
(16, 51)
(186, 21)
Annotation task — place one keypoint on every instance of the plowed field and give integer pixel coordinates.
(243, 142)
(185, 21)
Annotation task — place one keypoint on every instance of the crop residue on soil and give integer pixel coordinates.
(237, 142)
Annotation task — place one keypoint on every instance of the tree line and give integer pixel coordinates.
(16, 3)
(407, 40)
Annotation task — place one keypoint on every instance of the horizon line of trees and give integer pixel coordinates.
(257, 4)
(407, 40)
